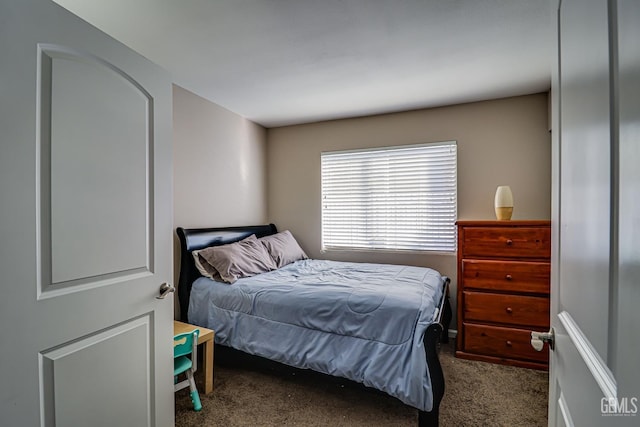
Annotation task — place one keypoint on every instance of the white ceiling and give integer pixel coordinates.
(281, 62)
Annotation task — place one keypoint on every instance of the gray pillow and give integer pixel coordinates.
(204, 267)
(283, 248)
(245, 258)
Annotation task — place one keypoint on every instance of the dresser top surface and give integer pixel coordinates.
(507, 223)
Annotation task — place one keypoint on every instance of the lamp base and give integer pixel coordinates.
(504, 214)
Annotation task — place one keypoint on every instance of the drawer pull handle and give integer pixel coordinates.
(509, 242)
(508, 277)
(508, 343)
(509, 310)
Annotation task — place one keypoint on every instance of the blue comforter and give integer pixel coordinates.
(360, 321)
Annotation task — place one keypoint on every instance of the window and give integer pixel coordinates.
(395, 198)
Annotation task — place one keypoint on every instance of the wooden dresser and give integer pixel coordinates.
(503, 290)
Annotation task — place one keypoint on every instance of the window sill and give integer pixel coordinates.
(389, 251)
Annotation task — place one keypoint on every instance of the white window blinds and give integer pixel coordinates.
(396, 198)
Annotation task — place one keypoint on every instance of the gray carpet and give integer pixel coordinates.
(477, 394)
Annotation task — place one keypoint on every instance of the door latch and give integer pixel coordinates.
(539, 338)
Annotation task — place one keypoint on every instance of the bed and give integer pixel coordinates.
(336, 318)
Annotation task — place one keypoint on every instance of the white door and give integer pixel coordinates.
(85, 225)
(594, 379)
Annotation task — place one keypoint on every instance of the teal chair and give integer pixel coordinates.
(183, 346)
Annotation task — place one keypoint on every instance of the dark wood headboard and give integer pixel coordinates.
(192, 239)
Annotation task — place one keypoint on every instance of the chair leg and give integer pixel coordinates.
(195, 397)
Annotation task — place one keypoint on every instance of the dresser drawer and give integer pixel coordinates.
(502, 342)
(508, 309)
(506, 275)
(521, 242)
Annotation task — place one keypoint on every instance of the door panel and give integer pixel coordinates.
(585, 147)
(87, 365)
(594, 294)
(580, 286)
(86, 228)
(628, 266)
(581, 393)
(98, 145)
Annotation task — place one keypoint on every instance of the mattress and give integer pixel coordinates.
(360, 321)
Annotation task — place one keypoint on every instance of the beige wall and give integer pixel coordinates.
(500, 142)
(219, 167)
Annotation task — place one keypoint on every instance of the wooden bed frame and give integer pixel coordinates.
(198, 238)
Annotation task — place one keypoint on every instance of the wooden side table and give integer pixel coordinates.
(205, 337)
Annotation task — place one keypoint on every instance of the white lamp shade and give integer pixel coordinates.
(504, 197)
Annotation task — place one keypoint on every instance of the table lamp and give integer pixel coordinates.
(504, 203)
